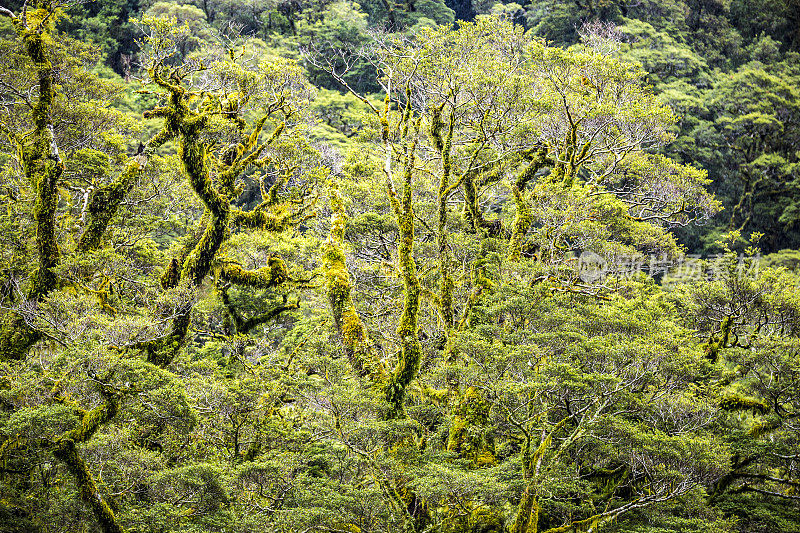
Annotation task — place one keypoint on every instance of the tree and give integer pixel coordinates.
(93, 302)
(759, 163)
(68, 107)
(216, 147)
(508, 112)
(566, 399)
(427, 310)
(750, 318)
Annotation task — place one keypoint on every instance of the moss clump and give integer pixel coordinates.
(475, 519)
(171, 276)
(715, 344)
(740, 403)
(16, 337)
(266, 277)
(470, 435)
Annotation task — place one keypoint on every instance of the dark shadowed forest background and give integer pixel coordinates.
(426, 266)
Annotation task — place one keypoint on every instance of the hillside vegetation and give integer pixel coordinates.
(428, 266)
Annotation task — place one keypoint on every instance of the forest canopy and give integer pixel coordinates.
(429, 266)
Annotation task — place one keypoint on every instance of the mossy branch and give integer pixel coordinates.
(163, 350)
(105, 201)
(276, 219)
(65, 449)
(337, 282)
(245, 325)
(524, 219)
(67, 452)
(527, 516)
(596, 521)
(472, 180)
(270, 276)
(715, 344)
(103, 205)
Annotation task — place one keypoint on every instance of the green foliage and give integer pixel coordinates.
(193, 340)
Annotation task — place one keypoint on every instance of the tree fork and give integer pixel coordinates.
(186, 125)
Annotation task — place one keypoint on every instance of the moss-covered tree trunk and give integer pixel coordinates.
(527, 516)
(337, 282)
(42, 165)
(444, 146)
(103, 204)
(410, 348)
(66, 450)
